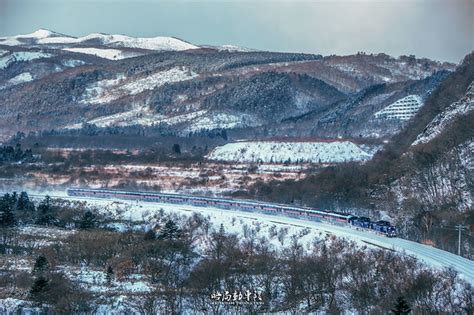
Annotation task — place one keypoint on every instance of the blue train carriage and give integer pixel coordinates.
(383, 227)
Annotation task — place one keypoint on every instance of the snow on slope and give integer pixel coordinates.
(444, 119)
(216, 120)
(17, 40)
(106, 91)
(46, 37)
(19, 56)
(138, 116)
(152, 43)
(112, 54)
(144, 211)
(21, 78)
(268, 151)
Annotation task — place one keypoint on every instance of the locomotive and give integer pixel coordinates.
(383, 227)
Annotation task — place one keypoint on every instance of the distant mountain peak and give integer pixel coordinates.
(46, 37)
(39, 34)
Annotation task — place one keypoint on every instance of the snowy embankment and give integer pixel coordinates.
(279, 152)
(234, 221)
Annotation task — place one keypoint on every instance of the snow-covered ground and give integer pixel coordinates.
(217, 120)
(17, 40)
(278, 152)
(107, 53)
(19, 56)
(105, 91)
(233, 221)
(139, 115)
(96, 281)
(21, 78)
(152, 43)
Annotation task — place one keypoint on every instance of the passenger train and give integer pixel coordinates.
(383, 227)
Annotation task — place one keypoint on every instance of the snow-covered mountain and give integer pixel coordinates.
(121, 81)
(49, 38)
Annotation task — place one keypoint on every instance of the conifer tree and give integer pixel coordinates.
(23, 202)
(401, 307)
(7, 215)
(88, 221)
(170, 231)
(41, 265)
(45, 212)
(109, 275)
(39, 287)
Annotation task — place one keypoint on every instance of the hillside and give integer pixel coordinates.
(280, 152)
(422, 178)
(54, 81)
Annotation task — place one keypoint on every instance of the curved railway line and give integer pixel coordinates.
(432, 256)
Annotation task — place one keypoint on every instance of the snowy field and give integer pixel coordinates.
(234, 221)
(280, 152)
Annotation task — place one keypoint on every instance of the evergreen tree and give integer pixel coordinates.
(24, 203)
(177, 148)
(401, 307)
(7, 215)
(41, 265)
(88, 221)
(109, 275)
(45, 212)
(170, 231)
(39, 288)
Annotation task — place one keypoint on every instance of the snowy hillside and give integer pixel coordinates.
(279, 152)
(20, 56)
(46, 37)
(19, 39)
(444, 119)
(106, 91)
(112, 54)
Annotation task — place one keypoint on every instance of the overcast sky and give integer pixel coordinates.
(437, 29)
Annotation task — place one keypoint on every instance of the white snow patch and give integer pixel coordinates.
(221, 120)
(111, 54)
(71, 63)
(21, 56)
(21, 78)
(16, 40)
(131, 86)
(152, 43)
(138, 116)
(96, 281)
(274, 152)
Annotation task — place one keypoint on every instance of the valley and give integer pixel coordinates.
(382, 139)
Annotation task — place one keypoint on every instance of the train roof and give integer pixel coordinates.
(245, 201)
